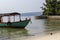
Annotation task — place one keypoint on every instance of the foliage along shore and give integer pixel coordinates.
(51, 10)
(53, 17)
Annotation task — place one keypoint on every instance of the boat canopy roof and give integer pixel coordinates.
(10, 14)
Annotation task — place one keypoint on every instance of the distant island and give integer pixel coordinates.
(32, 14)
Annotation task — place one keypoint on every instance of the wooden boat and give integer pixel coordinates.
(15, 24)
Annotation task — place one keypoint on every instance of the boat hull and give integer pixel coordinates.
(20, 24)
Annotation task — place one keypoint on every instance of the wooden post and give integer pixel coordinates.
(0, 19)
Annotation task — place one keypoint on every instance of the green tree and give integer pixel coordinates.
(52, 7)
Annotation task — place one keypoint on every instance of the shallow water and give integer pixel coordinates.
(37, 27)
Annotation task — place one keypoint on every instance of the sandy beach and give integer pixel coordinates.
(55, 36)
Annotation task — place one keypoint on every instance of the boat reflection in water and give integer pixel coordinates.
(52, 25)
(12, 33)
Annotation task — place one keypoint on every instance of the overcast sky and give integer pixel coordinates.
(21, 6)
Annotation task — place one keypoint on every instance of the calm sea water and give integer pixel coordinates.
(37, 27)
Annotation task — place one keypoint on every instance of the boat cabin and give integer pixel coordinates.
(8, 15)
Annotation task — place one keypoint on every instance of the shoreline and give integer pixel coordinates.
(56, 17)
(41, 17)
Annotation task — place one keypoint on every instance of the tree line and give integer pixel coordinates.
(51, 7)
